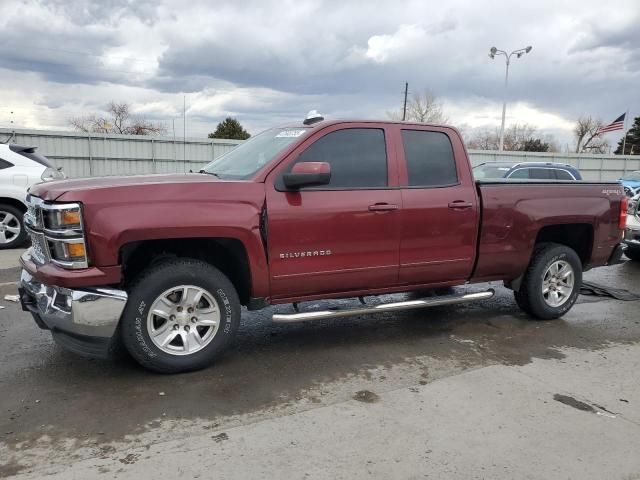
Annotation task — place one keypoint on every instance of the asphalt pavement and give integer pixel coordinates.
(467, 391)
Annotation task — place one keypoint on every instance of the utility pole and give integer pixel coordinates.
(404, 109)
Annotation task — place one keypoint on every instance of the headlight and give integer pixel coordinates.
(63, 217)
(64, 234)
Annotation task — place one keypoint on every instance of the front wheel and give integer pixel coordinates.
(180, 316)
(12, 232)
(551, 284)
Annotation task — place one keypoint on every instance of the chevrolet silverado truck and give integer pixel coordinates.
(162, 264)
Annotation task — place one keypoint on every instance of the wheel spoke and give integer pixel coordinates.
(191, 296)
(15, 230)
(8, 218)
(194, 337)
(207, 320)
(161, 313)
(3, 238)
(166, 336)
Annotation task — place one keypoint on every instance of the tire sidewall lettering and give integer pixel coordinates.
(140, 330)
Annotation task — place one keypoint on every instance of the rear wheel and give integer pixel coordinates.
(12, 232)
(181, 315)
(551, 284)
(633, 253)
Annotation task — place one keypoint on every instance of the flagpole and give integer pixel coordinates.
(624, 138)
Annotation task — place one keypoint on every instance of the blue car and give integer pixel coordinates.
(526, 171)
(631, 183)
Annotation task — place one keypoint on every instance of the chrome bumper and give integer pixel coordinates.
(632, 236)
(93, 312)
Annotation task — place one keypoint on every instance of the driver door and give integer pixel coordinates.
(343, 236)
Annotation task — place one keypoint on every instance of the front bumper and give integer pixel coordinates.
(83, 321)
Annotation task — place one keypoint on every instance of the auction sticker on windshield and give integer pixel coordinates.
(290, 133)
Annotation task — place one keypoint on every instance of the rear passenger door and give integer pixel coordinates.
(439, 218)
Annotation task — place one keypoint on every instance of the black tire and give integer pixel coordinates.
(530, 298)
(151, 284)
(13, 240)
(633, 253)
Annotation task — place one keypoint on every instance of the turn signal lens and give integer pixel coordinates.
(76, 250)
(70, 217)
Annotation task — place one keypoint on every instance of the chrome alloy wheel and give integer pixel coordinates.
(557, 283)
(9, 227)
(183, 320)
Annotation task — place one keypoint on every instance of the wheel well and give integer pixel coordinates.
(14, 203)
(226, 254)
(578, 236)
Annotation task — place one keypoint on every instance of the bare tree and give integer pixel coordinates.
(587, 137)
(518, 137)
(422, 108)
(118, 120)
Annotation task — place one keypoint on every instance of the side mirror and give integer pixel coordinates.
(305, 174)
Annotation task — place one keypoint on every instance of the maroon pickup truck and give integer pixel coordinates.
(163, 263)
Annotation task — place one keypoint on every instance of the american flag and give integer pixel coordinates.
(617, 124)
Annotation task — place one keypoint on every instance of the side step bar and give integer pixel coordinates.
(385, 307)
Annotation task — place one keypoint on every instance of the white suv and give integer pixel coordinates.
(20, 167)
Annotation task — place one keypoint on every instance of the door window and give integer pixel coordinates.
(541, 174)
(358, 158)
(429, 158)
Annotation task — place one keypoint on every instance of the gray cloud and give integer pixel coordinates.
(347, 58)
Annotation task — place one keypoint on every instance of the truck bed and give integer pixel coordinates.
(515, 214)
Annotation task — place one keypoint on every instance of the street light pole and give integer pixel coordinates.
(492, 54)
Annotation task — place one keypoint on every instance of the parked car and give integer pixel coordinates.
(631, 183)
(163, 263)
(20, 168)
(526, 171)
(632, 232)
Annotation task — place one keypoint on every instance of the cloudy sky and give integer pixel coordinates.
(270, 61)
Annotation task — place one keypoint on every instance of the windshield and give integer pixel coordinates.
(633, 176)
(249, 157)
(490, 171)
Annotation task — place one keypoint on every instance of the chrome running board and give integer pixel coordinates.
(385, 307)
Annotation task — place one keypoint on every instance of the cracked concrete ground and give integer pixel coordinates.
(473, 391)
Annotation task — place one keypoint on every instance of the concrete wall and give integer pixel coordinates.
(85, 155)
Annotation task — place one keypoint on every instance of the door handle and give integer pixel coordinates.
(382, 207)
(460, 205)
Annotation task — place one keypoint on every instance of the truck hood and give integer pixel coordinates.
(76, 188)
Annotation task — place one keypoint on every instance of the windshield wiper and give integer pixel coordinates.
(209, 173)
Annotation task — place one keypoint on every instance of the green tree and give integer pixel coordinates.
(632, 145)
(230, 128)
(534, 145)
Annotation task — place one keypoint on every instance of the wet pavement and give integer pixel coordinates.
(274, 370)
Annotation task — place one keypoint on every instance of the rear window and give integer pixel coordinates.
(30, 153)
(482, 172)
(563, 175)
(429, 158)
